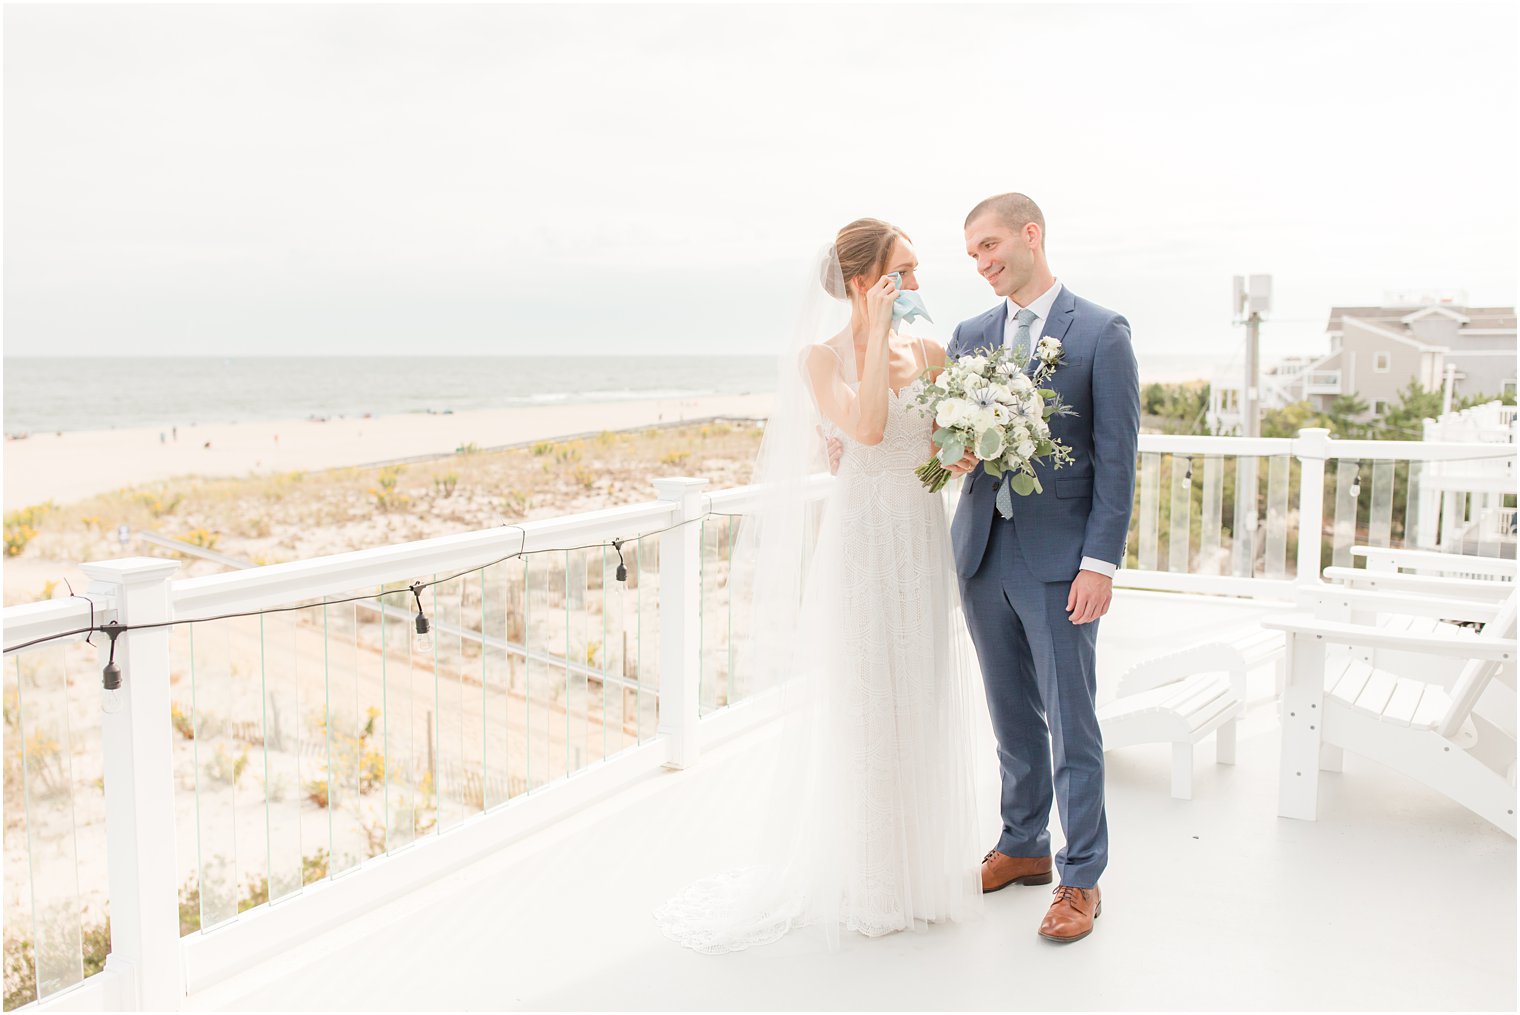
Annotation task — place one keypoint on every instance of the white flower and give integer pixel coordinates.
(1021, 384)
(987, 394)
(953, 412)
(973, 364)
(1034, 405)
(1026, 450)
(1048, 351)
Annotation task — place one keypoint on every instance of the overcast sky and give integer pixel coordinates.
(202, 179)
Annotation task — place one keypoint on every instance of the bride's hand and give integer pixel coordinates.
(879, 299)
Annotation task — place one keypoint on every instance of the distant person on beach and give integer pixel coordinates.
(175, 431)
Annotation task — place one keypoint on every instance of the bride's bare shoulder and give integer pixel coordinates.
(935, 356)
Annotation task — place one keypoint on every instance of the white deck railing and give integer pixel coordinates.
(318, 762)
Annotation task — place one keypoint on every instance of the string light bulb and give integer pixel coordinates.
(622, 568)
(111, 695)
(422, 641)
(1356, 484)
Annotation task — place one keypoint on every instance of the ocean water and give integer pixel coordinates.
(44, 395)
(50, 394)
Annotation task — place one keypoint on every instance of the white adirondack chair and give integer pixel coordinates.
(1401, 718)
(1490, 590)
(1387, 559)
(1181, 697)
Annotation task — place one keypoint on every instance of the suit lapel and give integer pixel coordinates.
(1061, 313)
(983, 333)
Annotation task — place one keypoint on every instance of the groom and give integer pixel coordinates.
(1034, 585)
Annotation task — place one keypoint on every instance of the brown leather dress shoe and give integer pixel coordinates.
(1070, 917)
(999, 871)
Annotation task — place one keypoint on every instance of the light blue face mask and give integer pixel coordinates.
(908, 304)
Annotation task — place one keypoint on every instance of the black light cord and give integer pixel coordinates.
(416, 589)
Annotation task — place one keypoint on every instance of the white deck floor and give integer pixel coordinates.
(1395, 899)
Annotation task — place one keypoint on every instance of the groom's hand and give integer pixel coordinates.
(834, 447)
(1090, 595)
(965, 465)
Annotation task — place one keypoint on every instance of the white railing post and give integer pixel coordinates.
(681, 619)
(1311, 449)
(139, 783)
(1427, 532)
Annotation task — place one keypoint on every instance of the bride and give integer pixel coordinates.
(858, 643)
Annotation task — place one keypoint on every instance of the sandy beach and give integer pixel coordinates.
(77, 465)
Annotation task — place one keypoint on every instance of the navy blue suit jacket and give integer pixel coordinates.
(1084, 509)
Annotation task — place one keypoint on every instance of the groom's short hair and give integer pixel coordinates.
(1015, 211)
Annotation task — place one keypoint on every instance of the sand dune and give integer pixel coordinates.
(72, 466)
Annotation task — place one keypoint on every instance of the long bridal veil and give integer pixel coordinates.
(806, 630)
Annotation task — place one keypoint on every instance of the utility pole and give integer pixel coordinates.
(1253, 297)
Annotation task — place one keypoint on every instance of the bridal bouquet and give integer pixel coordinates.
(987, 404)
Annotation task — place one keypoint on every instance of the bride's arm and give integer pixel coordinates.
(862, 414)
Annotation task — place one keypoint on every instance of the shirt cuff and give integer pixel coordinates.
(1103, 567)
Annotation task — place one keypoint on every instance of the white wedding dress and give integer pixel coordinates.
(883, 830)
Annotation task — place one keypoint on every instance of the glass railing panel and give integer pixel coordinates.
(497, 664)
(407, 719)
(716, 612)
(583, 640)
(1179, 534)
(351, 735)
(544, 702)
(289, 660)
(1211, 560)
(1380, 520)
(1247, 511)
(228, 716)
(1150, 504)
(616, 722)
(454, 762)
(44, 726)
(644, 576)
(1275, 562)
(1348, 491)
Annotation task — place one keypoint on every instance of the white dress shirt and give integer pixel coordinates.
(1041, 306)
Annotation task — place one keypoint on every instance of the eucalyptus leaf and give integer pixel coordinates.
(989, 445)
(952, 453)
(1022, 483)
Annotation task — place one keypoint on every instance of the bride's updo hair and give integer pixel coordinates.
(861, 248)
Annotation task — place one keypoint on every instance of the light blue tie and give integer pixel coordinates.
(1022, 340)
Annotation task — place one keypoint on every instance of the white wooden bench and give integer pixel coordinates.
(1183, 696)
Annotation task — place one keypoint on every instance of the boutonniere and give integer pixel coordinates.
(1048, 353)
